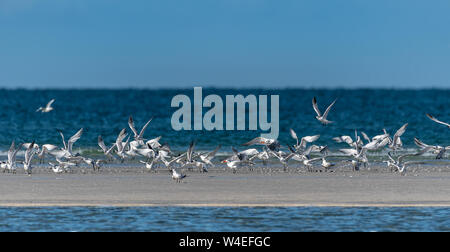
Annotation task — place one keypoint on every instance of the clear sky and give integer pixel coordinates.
(167, 43)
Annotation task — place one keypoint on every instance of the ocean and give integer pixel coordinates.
(106, 112)
(225, 219)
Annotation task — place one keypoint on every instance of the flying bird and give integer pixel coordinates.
(47, 108)
(436, 120)
(320, 117)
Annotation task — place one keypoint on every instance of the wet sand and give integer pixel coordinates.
(130, 186)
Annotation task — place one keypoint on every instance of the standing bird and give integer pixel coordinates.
(47, 108)
(177, 175)
(320, 117)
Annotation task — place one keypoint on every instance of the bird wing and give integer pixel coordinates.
(325, 114)
(73, 139)
(213, 153)
(29, 153)
(293, 134)
(365, 136)
(120, 138)
(11, 151)
(63, 140)
(316, 108)
(399, 133)
(256, 140)
(190, 151)
(141, 134)
(49, 104)
(436, 120)
(131, 124)
(420, 143)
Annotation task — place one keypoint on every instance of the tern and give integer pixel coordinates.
(284, 160)
(240, 158)
(177, 175)
(272, 144)
(68, 147)
(138, 137)
(12, 153)
(207, 157)
(399, 165)
(439, 150)
(29, 153)
(436, 120)
(322, 118)
(396, 141)
(301, 145)
(47, 108)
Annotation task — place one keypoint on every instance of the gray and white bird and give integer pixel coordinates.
(322, 118)
(11, 165)
(29, 153)
(47, 108)
(436, 120)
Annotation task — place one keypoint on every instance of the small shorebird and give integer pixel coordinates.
(322, 118)
(436, 120)
(177, 175)
(47, 108)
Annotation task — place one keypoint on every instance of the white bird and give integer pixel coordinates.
(68, 147)
(29, 153)
(284, 160)
(436, 120)
(148, 165)
(398, 163)
(240, 158)
(301, 145)
(138, 137)
(396, 141)
(190, 161)
(12, 152)
(272, 144)
(120, 145)
(207, 157)
(320, 117)
(47, 108)
(56, 168)
(177, 175)
(325, 164)
(101, 143)
(439, 150)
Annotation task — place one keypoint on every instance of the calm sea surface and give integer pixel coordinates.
(105, 112)
(183, 219)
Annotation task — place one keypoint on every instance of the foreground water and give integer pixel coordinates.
(206, 219)
(105, 112)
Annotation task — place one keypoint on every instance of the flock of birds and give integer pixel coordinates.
(153, 153)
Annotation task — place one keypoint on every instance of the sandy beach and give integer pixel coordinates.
(130, 186)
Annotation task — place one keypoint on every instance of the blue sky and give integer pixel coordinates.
(109, 43)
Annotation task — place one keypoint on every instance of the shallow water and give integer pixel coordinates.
(367, 219)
